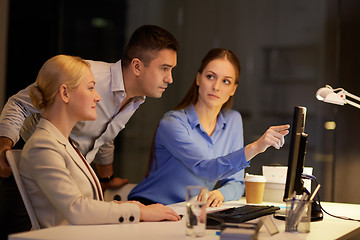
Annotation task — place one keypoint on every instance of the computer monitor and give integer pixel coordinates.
(297, 153)
(298, 143)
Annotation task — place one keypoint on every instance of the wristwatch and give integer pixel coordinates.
(106, 179)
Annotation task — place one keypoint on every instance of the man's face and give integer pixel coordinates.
(158, 74)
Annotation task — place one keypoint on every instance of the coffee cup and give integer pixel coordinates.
(254, 188)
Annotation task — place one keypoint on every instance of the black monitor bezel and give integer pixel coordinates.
(297, 153)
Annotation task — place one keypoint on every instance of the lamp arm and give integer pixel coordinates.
(352, 103)
(353, 96)
(347, 94)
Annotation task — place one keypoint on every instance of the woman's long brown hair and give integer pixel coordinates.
(192, 94)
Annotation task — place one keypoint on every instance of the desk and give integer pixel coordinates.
(329, 228)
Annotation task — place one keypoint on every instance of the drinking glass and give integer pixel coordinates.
(196, 198)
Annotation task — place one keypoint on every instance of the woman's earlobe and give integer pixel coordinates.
(235, 87)
(197, 79)
(64, 95)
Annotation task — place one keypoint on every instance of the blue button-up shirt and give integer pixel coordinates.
(186, 155)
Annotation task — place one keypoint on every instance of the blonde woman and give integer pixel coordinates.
(62, 187)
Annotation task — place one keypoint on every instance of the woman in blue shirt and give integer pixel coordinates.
(201, 141)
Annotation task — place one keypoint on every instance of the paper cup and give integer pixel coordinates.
(254, 188)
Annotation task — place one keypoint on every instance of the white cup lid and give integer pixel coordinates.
(254, 178)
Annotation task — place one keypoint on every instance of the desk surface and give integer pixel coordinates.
(329, 228)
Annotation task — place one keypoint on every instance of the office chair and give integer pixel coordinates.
(13, 157)
(119, 194)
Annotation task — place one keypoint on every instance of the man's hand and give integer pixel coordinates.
(106, 171)
(115, 183)
(5, 144)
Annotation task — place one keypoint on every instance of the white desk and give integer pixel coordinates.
(329, 228)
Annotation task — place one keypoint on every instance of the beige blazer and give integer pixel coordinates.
(60, 186)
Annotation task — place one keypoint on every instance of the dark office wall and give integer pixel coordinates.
(32, 39)
(287, 50)
(347, 146)
(92, 29)
(41, 29)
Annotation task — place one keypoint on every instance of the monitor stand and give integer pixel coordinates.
(316, 213)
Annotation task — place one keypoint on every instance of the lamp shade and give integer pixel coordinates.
(328, 95)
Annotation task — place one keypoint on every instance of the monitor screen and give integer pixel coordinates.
(296, 154)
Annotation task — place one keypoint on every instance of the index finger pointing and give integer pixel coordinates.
(281, 128)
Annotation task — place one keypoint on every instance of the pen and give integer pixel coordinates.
(298, 215)
(303, 196)
(292, 205)
(295, 214)
(293, 199)
(314, 193)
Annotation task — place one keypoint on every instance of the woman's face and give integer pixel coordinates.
(216, 83)
(83, 99)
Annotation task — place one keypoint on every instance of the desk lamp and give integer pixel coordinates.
(336, 96)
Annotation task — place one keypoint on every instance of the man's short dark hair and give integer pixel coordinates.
(146, 42)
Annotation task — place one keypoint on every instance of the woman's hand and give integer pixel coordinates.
(215, 199)
(157, 212)
(274, 136)
(136, 202)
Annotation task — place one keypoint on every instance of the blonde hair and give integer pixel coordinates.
(58, 70)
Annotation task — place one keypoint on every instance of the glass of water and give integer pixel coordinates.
(196, 198)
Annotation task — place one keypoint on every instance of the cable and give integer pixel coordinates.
(318, 200)
(340, 217)
(308, 176)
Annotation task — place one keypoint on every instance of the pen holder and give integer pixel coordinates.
(298, 216)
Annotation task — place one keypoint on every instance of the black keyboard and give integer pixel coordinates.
(238, 214)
